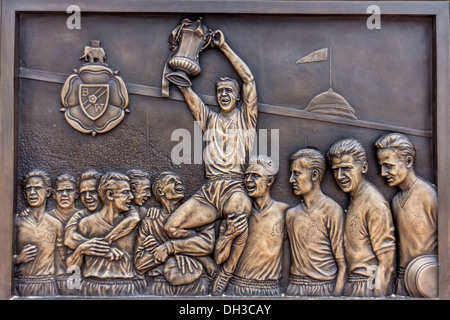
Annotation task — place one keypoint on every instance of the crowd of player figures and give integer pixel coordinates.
(116, 246)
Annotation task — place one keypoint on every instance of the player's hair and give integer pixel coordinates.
(89, 175)
(315, 159)
(108, 182)
(65, 177)
(269, 166)
(158, 184)
(137, 174)
(350, 147)
(232, 80)
(40, 174)
(397, 142)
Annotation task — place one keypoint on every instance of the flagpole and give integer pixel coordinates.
(329, 50)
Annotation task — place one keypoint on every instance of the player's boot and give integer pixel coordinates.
(220, 283)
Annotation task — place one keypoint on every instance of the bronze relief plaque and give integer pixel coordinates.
(225, 149)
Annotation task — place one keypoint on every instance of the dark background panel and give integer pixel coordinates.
(381, 73)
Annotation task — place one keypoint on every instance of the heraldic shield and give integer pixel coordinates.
(95, 99)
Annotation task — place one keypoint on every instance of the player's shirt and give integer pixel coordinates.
(71, 236)
(316, 236)
(61, 265)
(47, 235)
(369, 231)
(94, 226)
(200, 245)
(229, 142)
(416, 220)
(263, 253)
(54, 213)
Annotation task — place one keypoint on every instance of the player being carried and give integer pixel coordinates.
(230, 133)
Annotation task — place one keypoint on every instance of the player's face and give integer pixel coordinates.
(65, 194)
(122, 197)
(173, 187)
(348, 173)
(36, 192)
(256, 181)
(393, 166)
(88, 194)
(141, 191)
(301, 177)
(227, 95)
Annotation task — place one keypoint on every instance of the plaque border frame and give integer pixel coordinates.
(9, 89)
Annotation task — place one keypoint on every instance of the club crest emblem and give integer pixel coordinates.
(94, 98)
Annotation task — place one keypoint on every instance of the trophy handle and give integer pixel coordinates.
(174, 38)
(208, 39)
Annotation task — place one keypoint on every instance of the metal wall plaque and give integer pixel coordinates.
(274, 149)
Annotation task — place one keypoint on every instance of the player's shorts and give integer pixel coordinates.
(307, 286)
(357, 286)
(93, 286)
(249, 287)
(362, 286)
(217, 190)
(62, 281)
(161, 287)
(36, 285)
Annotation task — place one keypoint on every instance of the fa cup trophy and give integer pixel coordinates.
(187, 41)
